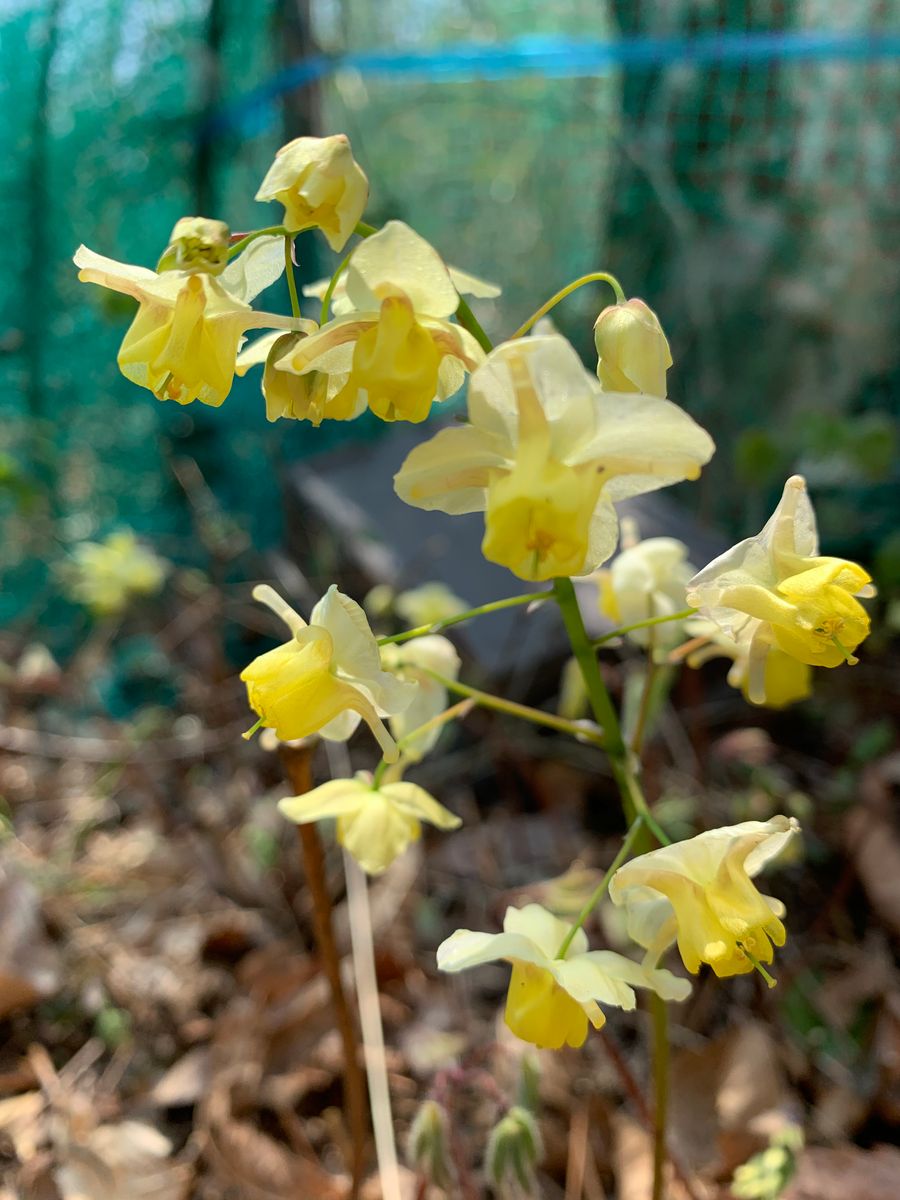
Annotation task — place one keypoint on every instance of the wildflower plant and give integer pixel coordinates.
(547, 449)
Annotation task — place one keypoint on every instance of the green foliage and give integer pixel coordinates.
(766, 1175)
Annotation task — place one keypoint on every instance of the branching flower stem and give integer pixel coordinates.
(647, 623)
(469, 321)
(535, 715)
(594, 277)
(289, 272)
(454, 713)
(603, 886)
(269, 231)
(437, 626)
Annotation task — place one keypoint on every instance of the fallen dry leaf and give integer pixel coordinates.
(847, 1173)
(28, 962)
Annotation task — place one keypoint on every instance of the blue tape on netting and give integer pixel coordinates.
(561, 58)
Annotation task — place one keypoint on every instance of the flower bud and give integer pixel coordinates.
(427, 1148)
(514, 1149)
(320, 183)
(633, 352)
(197, 244)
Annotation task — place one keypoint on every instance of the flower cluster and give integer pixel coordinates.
(547, 450)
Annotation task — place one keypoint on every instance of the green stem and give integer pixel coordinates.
(493, 606)
(645, 624)
(468, 320)
(535, 715)
(332, 284)
(455, 712)
(640, 724)
(583, 651)
(269, 231)
(289, 271)
(365, 230)
(594, 277)
(633, 801)
(660, 1015)
(602, 887)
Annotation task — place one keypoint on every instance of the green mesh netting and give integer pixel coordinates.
(753, 202)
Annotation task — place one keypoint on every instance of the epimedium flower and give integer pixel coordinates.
(775, 591)
(552, 999)
(105, 576)
(327, 678)
(700, 894)
(781, 682)
(633, 353)
(320, 184)
(374, 824)
(465, 283)
(394, 350)
(288, 396)
(647, 579)
(183, 342)
(545, 456)
(197, 244)
(412, 662)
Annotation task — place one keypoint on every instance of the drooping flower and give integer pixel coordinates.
(320, 184)
(551, 999)
(375, 825)
(327, 678)
(197, 244)
(546, 454)
(775, 591)
(633, 351)
(288, 396)
(412, 662)
(465, 284)
(182, 344)
(647, 579)
(700, 894)
(105, 576)
(394, 350)
(783, 680)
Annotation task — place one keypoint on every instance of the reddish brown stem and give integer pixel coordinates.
(297, 762)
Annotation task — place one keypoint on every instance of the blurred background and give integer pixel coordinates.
(735, 163)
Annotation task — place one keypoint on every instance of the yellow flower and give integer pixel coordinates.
(546, 454)
(428, 604)
(700, 893)
(104, 576)
(633, 352)
(197, 244)
(295, 397)
(411, 661)
(327, 678)
(647, 579)
(320, 184)
(375, 825)
(465, 284)
(551, 1000)
(775, 591)
(393, 349)
(183, 342)
(783, 680)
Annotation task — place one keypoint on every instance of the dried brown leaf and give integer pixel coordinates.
(28, 962)
(847, 1173)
